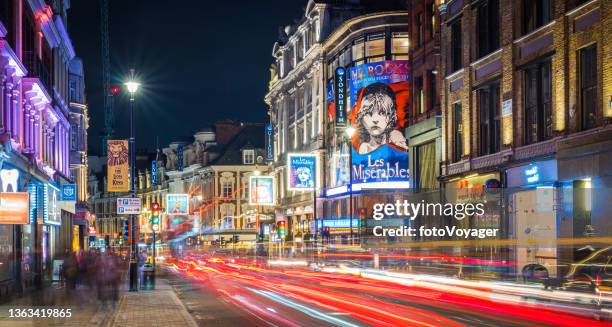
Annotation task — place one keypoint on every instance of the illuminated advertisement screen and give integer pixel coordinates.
(14, 208)
(261, 190)
(178, 204)
(301, 172)
(379, 107)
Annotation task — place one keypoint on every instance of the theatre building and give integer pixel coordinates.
(367, 108)
(526, 110)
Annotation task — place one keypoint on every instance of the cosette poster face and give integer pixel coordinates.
(301, 172)
(261, 190)
(379, 105)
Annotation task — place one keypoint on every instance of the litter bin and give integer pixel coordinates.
(148, 277)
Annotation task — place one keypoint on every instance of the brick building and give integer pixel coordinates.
(424, 134)
(526, 104)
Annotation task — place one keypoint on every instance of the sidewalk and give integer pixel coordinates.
(85, 309)
(160, 307)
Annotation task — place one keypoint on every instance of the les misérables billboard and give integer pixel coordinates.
(379, 107)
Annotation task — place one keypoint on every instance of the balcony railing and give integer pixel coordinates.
(36, 68)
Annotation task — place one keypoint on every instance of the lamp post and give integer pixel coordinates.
(132, 87)
(350, 131)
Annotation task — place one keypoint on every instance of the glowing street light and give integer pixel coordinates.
(132, 86)
(350, 131)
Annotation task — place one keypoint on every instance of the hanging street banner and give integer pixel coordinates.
(301, 172)
(379, 109)
(178, 204)
(261, 190)
(118, 166)
(14, 208)
(340, 96)
(269, 142)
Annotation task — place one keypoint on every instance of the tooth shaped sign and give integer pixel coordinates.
(8, 179)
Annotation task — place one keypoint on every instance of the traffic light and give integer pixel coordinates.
(155, 213)
(126, 230)
(281, 228)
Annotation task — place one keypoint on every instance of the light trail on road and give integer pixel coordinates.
(288, 295)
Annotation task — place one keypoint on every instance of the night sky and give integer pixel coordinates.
(199, 61)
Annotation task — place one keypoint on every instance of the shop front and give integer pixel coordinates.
(14, 217)
(483, 189)
(532, 196)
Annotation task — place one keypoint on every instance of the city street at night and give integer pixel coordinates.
(305, 163)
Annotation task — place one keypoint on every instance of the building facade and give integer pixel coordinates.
(79, 123)
(525, 92)
(301, 99)
(35, 58)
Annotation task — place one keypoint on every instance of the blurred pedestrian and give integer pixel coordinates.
(70, 271)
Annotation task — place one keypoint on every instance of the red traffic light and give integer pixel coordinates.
(114, 90)
(154, 206)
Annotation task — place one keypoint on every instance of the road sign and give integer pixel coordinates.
(129, 206)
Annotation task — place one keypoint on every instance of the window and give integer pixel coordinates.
(420, 94)
(456, 56)
(431, 13)
(433, 97)
(419, 30)
(227, 189)
(488, 27)
(588, 86)
(427, 166)
(399, 45)
(488, 118)
(536, 13)
(73, 91)
(248, 157)
(457, 131)
(73, 137)
(357, 51)
(375, 48)
(538, 112)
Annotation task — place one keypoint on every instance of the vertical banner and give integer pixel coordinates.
(118, 166)
(301, 171)
(154, 172)
(379, 108)
(269, 142)
(179, 156)
(340, 96)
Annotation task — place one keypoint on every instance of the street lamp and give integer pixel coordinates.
(132, 87)
(350, 131)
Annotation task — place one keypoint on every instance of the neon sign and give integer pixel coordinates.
(532, 175)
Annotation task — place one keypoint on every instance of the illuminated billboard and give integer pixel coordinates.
(379, 107)
(301, 171)
(14, 208)
(261, 190)
(178, 204)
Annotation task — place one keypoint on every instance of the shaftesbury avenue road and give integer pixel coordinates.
(305, 163)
